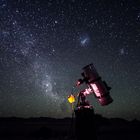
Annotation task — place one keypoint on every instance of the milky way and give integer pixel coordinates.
(45, 44)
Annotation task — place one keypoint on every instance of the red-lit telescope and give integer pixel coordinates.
(96, 85)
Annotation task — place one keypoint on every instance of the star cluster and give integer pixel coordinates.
(45, 44)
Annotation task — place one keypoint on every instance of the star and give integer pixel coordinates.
(122, 52)
(55, 21)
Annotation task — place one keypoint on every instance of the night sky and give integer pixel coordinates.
(44, 44)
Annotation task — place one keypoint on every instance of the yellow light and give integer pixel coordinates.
(71, 99)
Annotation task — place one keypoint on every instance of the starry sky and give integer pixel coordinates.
(45, 44)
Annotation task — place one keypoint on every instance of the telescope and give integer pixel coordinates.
(84, 112)
(95, 85)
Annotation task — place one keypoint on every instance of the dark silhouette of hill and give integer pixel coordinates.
(52, 128)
